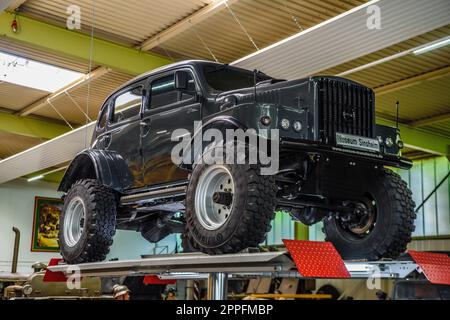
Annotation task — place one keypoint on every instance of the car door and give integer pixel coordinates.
(167, 109)
(123, 134)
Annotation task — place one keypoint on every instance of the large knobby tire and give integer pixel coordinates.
(248, 217)
(91, 208)
(392, 227)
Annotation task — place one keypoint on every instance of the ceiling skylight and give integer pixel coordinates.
(33, 74)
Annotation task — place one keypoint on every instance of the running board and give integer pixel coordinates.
(153, 195)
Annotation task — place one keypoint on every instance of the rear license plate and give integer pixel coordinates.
(357, 142)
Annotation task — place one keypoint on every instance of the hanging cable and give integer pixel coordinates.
(78, 106)
(240, 24)
(167, 53)
(205, 45)
(91, 51)
(59, 114)
(293, 17)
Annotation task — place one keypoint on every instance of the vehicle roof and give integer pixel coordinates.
(167, 67)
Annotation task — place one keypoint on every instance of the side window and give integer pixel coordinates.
(163, 92)
(127, 105)
(101, 122)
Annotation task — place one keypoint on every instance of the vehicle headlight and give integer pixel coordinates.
(389, 142)
(266, 120)
(297, 125)
(285, 124)
(400, 143)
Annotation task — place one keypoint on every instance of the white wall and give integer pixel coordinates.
(16, 209)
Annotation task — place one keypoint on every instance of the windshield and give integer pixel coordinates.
(225, 78)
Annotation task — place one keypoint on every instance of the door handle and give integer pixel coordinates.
(192, 110)
(144, 125)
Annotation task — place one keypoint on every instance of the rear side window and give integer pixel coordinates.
(127, 104)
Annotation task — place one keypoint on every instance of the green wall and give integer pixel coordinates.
(434, 217)
(282, 228)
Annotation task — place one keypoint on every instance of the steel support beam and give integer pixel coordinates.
(420, 140)
(10, 5)
(4, 4)
(429, 76)
(30, 127)
(186, 23)
(77, 45)
(430, 120)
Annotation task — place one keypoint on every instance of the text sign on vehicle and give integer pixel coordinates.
(357, 142)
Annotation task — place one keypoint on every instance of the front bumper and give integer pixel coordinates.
(351, 154)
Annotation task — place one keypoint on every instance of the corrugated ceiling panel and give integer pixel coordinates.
(129, 22)
(401, 68)
(11, 144)
(433, 59)
(45, 155)
(266, 21)
(419, 101)
(442, 128)
(15, 97)
(341, 40)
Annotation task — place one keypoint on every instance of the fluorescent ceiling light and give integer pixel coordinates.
(39, 177)
(35, 178)
(33, 74)
(416, 50)
(432, 46)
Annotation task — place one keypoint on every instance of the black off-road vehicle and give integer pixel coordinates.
(331, 165)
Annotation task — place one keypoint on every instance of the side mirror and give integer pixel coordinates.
(181, 80)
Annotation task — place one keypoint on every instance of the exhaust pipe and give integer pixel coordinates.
(16, 250)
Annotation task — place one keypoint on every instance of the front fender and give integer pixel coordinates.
(191, 155)
(108, 167)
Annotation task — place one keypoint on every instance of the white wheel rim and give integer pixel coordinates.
(210, 214)
(74, 221)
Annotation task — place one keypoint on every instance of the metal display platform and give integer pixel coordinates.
(304, 259)
(219, 268)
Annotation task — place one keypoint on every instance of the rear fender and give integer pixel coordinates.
(108, 167)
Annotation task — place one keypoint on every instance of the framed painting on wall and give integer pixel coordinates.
(46, 224)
